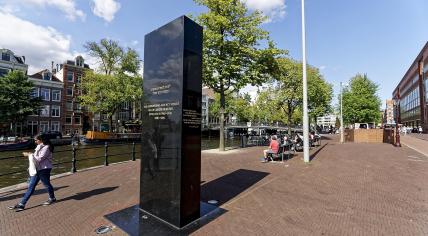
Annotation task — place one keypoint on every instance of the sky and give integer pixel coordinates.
(343, 37)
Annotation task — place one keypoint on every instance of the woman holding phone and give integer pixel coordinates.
(40, 166)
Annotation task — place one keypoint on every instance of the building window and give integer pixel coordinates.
(78, 78)
(68, 120)
(78, 106)
(124, 116)
(69, 105)
(44, 126)
(34, 92)
(44, 111)
(77, 120)
(3, 72)
(45, 94)
(70, 76)
(55, 111)
(32, 127)
(56, 95)
(5, 56)
(47, 76)
(55, 126)
(69, 91)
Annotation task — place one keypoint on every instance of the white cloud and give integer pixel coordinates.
(274, 9)
(105, 9)
(40, 45)
(322, 67)
(66, 6)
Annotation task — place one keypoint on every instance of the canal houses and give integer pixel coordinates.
(75, 119)
(50, 89)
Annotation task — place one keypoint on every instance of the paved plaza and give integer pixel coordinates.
(347, 189)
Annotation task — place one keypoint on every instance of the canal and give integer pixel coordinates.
(86, 155)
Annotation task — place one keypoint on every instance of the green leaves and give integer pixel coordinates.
(232, 54)
(360, 101)
(16, 102)
(119, 81)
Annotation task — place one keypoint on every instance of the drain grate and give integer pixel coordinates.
(103, 229)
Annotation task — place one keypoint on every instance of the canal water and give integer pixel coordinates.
(86, 156)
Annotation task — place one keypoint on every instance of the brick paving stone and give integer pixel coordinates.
(347, 189)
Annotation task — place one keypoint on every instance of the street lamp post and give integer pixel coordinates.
(341, 114)
(305, 92)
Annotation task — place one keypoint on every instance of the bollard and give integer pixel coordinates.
(105, 154)
(73, 158)
(133, 151)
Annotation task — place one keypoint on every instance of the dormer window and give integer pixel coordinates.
(5, 56)
(79, 61)
(47, 76)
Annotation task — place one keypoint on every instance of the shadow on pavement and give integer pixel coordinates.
(315, 153)
(7, 196)
(227, 187)
(135, 222)
(88, 194)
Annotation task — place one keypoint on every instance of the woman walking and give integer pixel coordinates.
(40, 166)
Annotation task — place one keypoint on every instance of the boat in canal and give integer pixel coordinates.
(96, 137)
(18, 145)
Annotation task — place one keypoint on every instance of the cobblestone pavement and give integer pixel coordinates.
(347, 189)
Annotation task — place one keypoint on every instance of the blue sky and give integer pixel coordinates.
(380, 38)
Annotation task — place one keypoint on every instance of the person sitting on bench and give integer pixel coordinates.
(273, 148)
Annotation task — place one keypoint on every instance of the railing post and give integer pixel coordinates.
(73, 158)
(133, 151)
(106, 154)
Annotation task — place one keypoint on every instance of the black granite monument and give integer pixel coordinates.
(171, 139)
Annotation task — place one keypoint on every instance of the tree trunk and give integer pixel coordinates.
(222, 105)
(110, 128)
(289, 120)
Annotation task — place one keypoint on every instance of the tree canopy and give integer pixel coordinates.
(286, 92)
(16, 102)
(118, 81)
(232, 54)
(361, 103)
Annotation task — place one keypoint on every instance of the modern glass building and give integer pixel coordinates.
(410, 96)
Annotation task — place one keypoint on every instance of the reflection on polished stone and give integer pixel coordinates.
(171, 139)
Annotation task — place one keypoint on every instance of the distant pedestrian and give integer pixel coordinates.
(40, 166)
(420, 129)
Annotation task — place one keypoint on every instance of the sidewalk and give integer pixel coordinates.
(417, 142)
(347, 189)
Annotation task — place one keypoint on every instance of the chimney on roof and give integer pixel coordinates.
(57, 67)
(52, 66)
(23, 58)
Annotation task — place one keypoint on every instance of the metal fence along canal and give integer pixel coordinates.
(13, 165)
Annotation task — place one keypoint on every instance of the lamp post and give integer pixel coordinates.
(305, 92)
(341, 114)
(397, 112)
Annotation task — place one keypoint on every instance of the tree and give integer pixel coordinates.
(320, 94)
(16, 102)
(360, 101)
(287, 92)
(113, 58)
(289, 88)
(118, 82)
(232, 55)
(266, 107)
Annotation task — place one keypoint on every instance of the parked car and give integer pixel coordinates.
(52, 134)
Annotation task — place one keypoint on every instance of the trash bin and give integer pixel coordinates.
(243, 141)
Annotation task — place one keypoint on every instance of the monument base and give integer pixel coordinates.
(135, 221)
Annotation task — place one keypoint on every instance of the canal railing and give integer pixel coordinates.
(106, 155)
